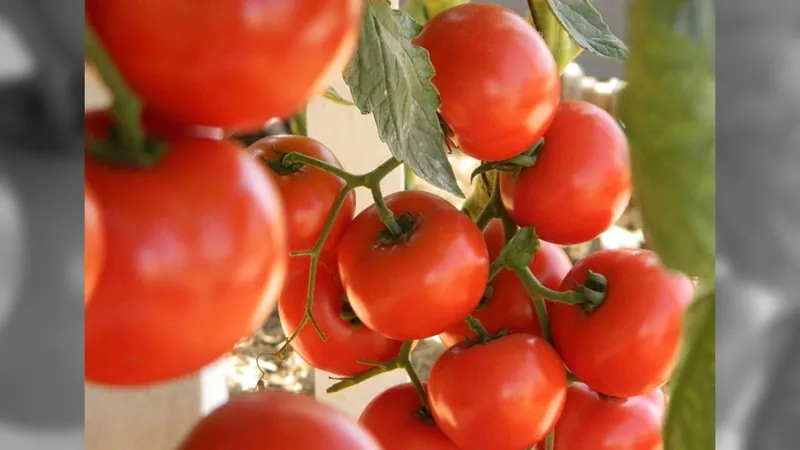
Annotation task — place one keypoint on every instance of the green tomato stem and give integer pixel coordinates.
(401, 361)
(550, 441)
(126, 107)
(308, 315)
(477, 327)
(535, 288)
(289, 159)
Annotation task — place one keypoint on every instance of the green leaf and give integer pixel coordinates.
(423, 10)
(563, 47)
(390, 78)
(690, 416)
(668, 108)
(520, 249)
(586, 26)
(333, 95)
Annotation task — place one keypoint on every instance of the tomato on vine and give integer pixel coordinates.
(593, 422)
(233, 64)
(497, 79)
(581, 182)
(629, 344)
(422, 282)
(503, 395)
(196, 258)
(309, 194)
(507, 306)
(397, 419)
(279, 421)
(94, 244)
(347, 339)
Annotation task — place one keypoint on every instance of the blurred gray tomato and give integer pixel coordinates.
(41, 343)
(11, 251)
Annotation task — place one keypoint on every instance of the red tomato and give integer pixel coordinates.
(423, 286)
(504, 395)
(627, 346)
(497, 78)
(394, 419)
(510, 307)
(592, 422)
(346, 342)
(278, 421)
(196, 257)
(581, 182)
(309, 194)
(233, 64)
(94, 245)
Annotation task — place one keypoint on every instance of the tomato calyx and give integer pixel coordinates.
(424, 414)
(281, 165)
(407, 223)
(113, 149)
(525, 159)
(593, 291)
(482, 335)
(348, 315)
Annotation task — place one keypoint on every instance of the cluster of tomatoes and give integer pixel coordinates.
(188, 256)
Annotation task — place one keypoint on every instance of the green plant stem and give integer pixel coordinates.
(550, 441)
(384, 213)
(401, 361)
(477, 327)
(544, 317)
(351, 180)
(535, 288)
(126, 107)
(370, 180)
(314, 254)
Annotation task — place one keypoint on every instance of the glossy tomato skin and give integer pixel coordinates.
(591, 422)
(310, 194)
(419, 288)
(470, 392)
(581, 182)
(629, 345)
(233, 64)
(196, 257)
(279, 421)
(345, 344)
(510, 307)
(393, 418)
(498, 81)
(94, 245)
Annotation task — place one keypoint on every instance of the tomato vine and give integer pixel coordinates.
(411, 71)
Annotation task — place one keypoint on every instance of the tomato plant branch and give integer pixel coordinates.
(128, 134)
(314, 254)
(477, 327)
(550, 441)
(401, 361)
(289, 159)
(534, 287)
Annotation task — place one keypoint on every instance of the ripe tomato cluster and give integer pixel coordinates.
(191, 254)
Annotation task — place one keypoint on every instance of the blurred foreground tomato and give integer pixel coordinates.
(196, 257)
(233, 64)
(94, 243)
(277, 420)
